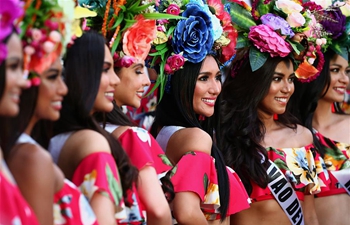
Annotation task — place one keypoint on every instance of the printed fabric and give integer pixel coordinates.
(71, 207)
(14, 210)
(336, 158)
(143, 150)
(196, 172)
(98, 173)
(302, 167)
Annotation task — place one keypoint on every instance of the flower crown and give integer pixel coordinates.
(10, 11)
(128, 25)
(280, 28)
(205, 28)
(336, 21)
(46, 30)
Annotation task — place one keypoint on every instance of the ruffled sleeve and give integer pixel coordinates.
(300, 168)
(196, 172)
(98, 173)
(143, 150)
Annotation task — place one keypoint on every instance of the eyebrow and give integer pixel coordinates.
(336, 65)
(208, 73)
(13, 59)
(139, 64)
(107, 63)
(53, 70)
(282, 74)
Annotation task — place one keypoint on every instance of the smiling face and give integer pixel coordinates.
(52, 89)
(133, 81)
(208, 87)
(339, 79)
(281, 89)
(108, 83)
(14, 77)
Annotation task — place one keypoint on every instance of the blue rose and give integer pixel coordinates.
(277, 23)
(193, 36)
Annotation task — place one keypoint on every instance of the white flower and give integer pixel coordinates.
(142, 134)
(288, 6)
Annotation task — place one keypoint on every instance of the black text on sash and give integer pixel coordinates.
(284, 194)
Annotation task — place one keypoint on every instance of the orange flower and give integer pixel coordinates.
(138, 38)
(305, 70)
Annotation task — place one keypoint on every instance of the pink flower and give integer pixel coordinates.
(36, 34)
(29, 50)
(125, 61)
(138, 38)
(9, 11)
(267, 40)
(173, 9)
(35, 81)
(55, 36)
(48, 46)
(295, 19)
(174, 63)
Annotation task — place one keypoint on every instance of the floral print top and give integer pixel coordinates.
(336, 157)
(196, 172)
(14, 210)
(143, 150)
(302, 167)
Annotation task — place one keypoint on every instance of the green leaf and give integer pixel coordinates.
(165, 160)
(205, 183)
(242, 41)
(241, 17)
(281, 164)
(297, 47)
(156, 16)
(257, 58)
(263, 8)
(114, 186)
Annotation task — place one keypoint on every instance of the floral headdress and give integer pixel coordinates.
(280, 28)
(336, 21)
(10, 10)
(205, 28)
(128, 25)
(46, 30)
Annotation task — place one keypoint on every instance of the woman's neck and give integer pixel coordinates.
(31, 125)
(323, 114)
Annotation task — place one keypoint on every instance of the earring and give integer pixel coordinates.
(275, 116)
(333, 108)
(201, 118)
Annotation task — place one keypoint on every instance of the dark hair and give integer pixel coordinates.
(307, 95)
(242, 130)
(83, 66)
(12, 128)
(176, 108)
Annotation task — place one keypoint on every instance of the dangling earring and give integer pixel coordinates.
(201, 118)
(275, 116)
(333, 108)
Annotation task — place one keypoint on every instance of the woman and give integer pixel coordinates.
(142, 149)
(82, 149)
(331, 131)
(188, 142)
(331, 134)
(254, 139)
(53, 199)
(12, 82)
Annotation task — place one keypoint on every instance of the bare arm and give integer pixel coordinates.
(309, 210)
(187, 209)
(152, 196)
(33, 170)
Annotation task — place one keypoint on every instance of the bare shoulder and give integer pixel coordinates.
(191, 139)
(119, 131)
(30, 159)
(304, 135)
(88, 141)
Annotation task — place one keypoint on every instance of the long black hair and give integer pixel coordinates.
(242, 130)
(176, 108)
(12, 128)
(83, 66)
(306, 96)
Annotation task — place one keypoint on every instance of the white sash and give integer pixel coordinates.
(343, 178)
(284, 194)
